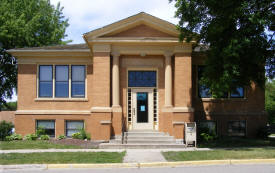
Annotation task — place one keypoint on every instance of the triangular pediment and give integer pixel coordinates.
(141, 30)
(139, 25)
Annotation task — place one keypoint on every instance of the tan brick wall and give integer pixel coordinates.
(182, 80)
(98, 94)
(7, 116)
(253, 102)
(26, 124)
(141, 31)
(27, 88)
(101, 80)
(251, 108)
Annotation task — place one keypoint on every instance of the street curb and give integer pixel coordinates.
(141, 165)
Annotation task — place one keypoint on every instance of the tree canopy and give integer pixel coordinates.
(270, 101)
(26, 23)
(240, 37)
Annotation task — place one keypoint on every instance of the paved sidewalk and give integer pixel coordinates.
(142, 156)
(101, 150)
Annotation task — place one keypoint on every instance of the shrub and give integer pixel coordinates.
(82, 134)
(5, 129)
(61, 137)
(76, 135)
(264, 132)
(40, 131)
(88, 136)
(206, 134)
(44, 137)
(31, 137)
(14, 137)
(206, 137)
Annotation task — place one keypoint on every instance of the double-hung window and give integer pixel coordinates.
(47, 125)
(204, 92)
(62, 81)
(73, 127)
(78, 81)
(237, 93)
(45, 81)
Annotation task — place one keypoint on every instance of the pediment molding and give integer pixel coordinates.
(131, 22)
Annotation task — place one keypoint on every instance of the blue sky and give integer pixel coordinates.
(87, 15)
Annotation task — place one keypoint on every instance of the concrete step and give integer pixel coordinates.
(135, 141)
(139, 146)
(141, 140)
(135, 133)
(150, 137)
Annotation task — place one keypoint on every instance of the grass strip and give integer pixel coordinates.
(221, 154)
(61, 157)
(13, 145)
(237, 142)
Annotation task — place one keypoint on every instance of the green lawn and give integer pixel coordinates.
(237, 142)
(221, 154)
(68, 157)
(11, 145)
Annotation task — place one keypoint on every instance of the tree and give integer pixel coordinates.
(26, 23)
(239, 35)
(270, 101)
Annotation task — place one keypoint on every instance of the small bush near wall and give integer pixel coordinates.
(31, 137)
(61, 137)
(40, 131)
(76, 135)
(5, 129)
(14, 137)
(263, 132)
(44, 137)
(82, 134)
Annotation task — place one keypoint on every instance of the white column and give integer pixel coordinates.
(115, 79)
(168, 79)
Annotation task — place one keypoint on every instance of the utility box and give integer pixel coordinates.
(190, 134)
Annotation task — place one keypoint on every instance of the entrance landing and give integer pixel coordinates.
(142, 139)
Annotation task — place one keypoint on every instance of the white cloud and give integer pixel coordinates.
(87, 15)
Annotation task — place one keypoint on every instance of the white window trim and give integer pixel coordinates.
(53, 98)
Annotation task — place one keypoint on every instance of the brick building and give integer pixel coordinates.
(132, 74)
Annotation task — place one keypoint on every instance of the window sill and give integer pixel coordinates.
(61, 99)
(221, 99)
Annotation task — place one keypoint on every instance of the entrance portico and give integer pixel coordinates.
(155, 50)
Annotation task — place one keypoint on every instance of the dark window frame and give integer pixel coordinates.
(226, 95)
(155, 81)
(242, 96)
(84, 81)
(204, 121)
(55, 81)
(39, 81)
(50, 120)
(66, 126)
(199, 86)
(245, 128)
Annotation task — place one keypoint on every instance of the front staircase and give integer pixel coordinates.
(140, 139)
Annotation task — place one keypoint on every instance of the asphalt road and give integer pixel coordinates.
(258, 168)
